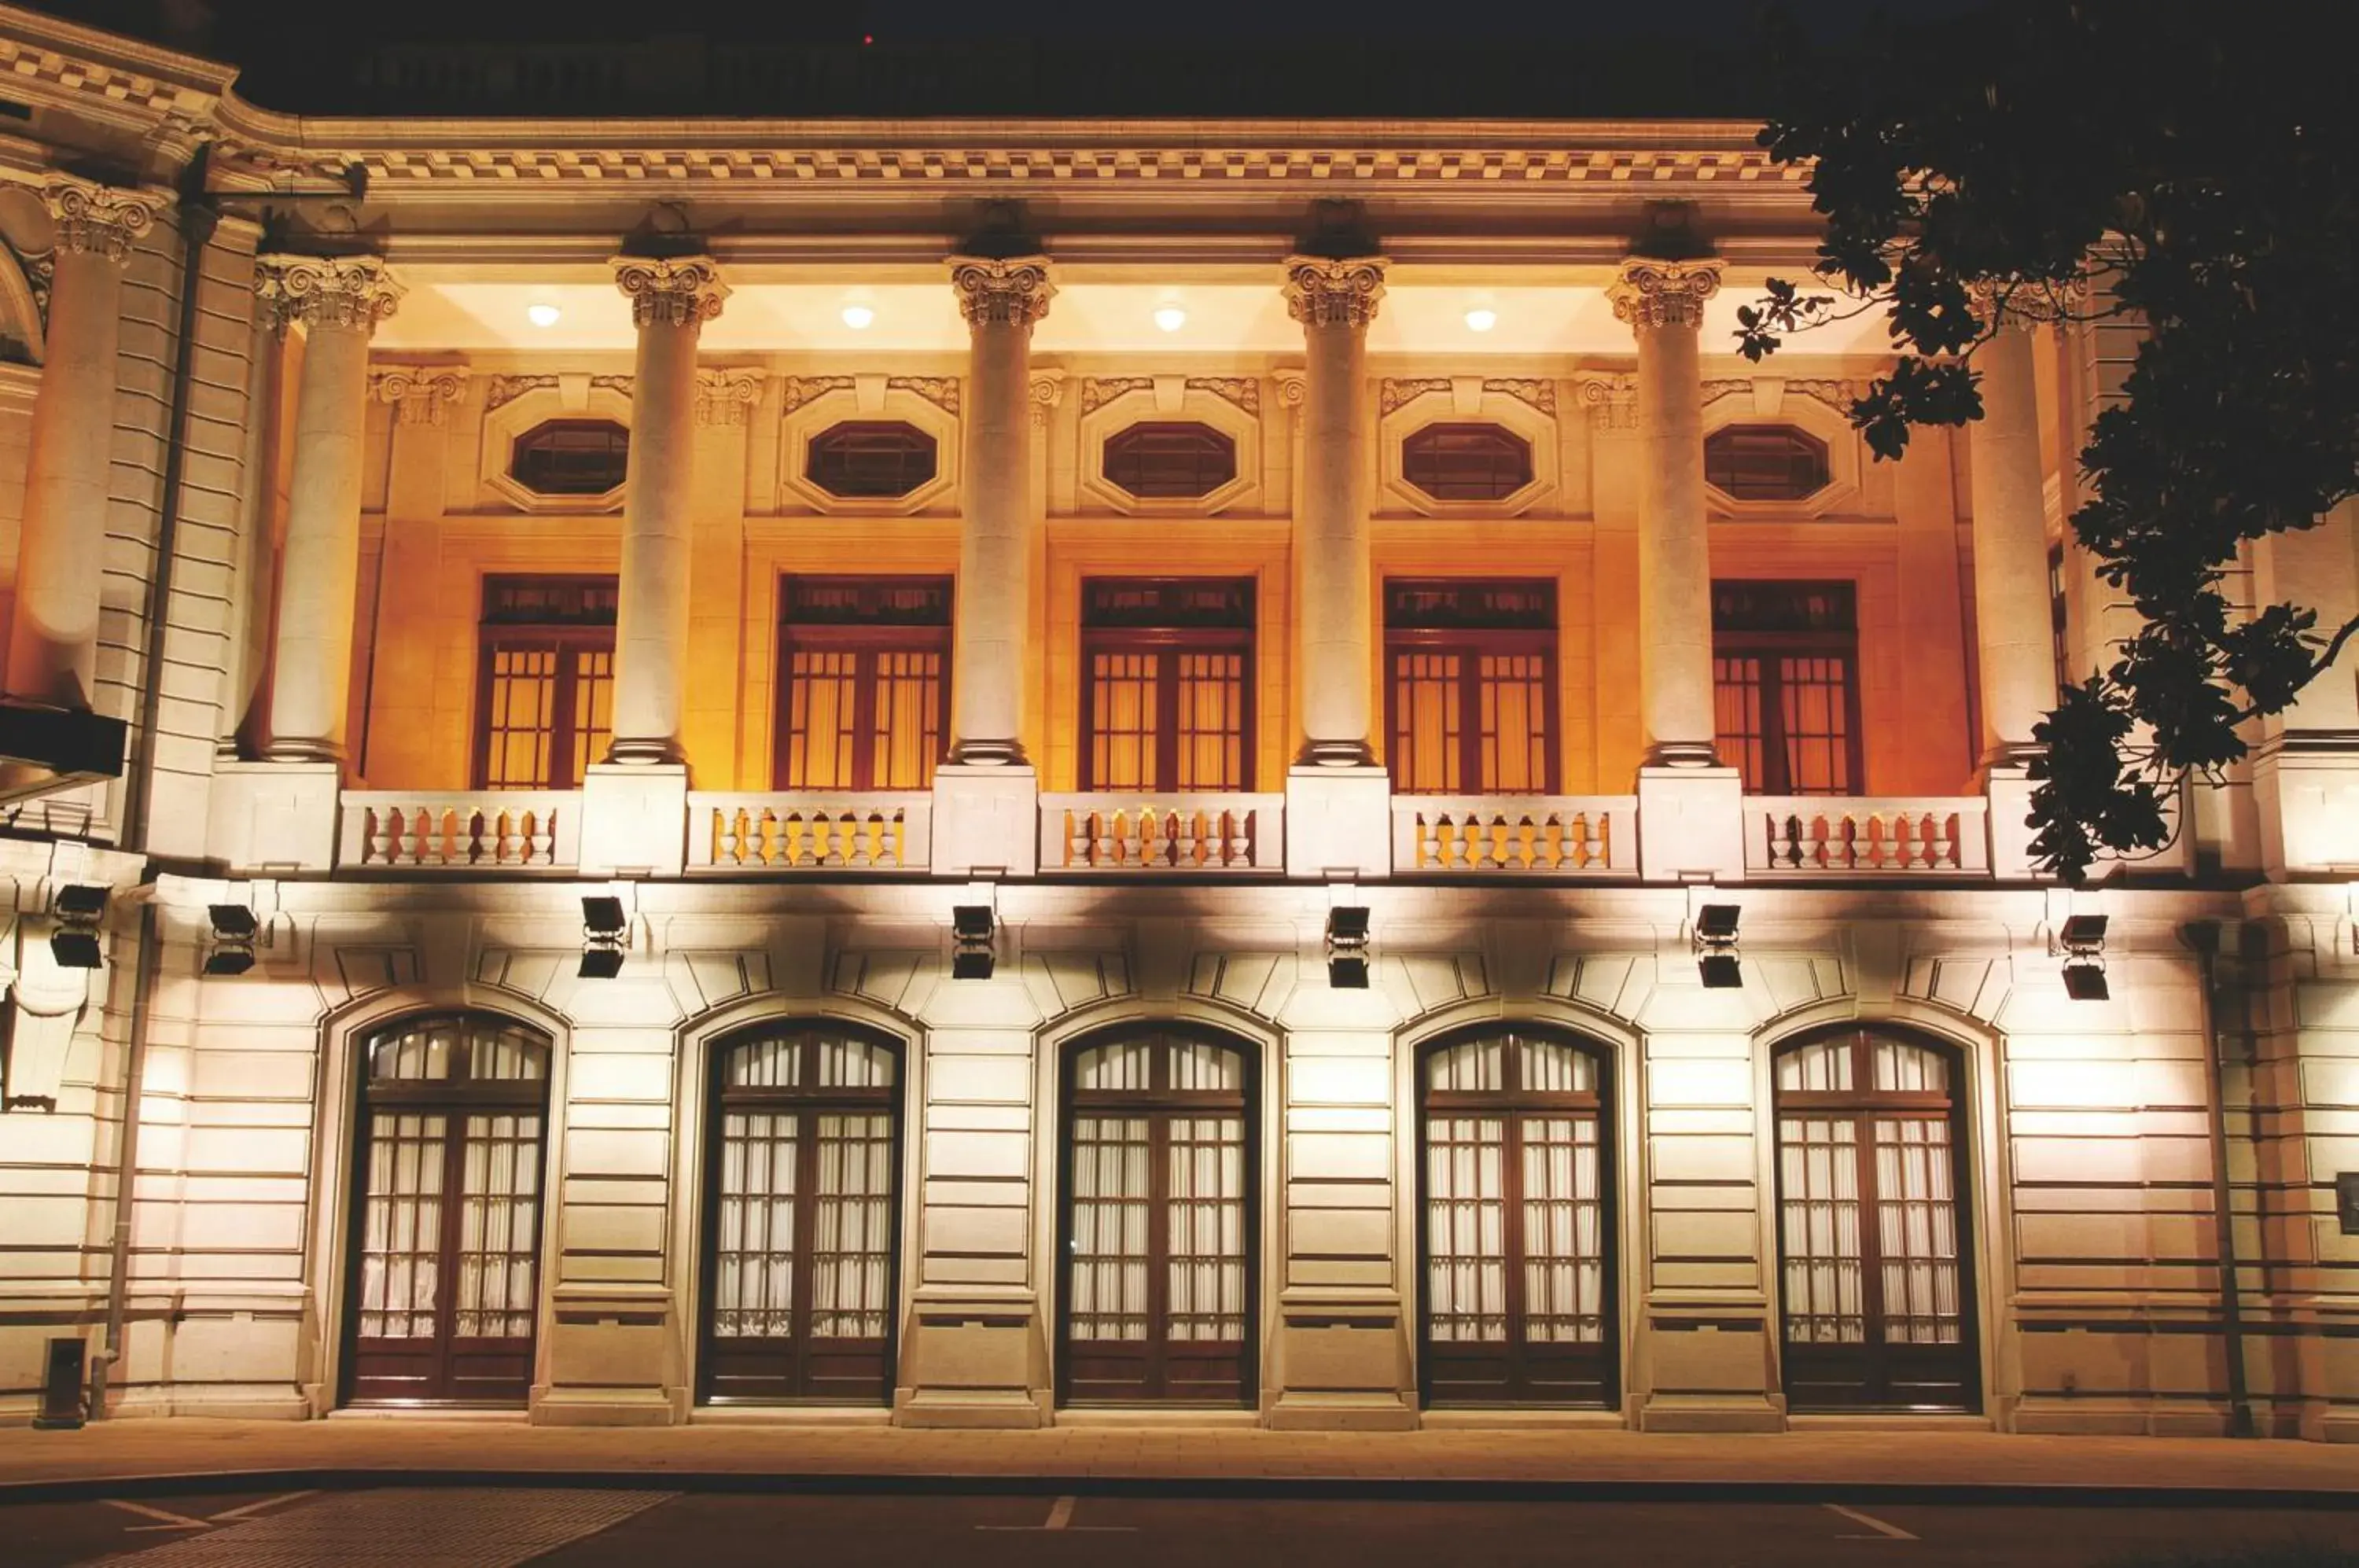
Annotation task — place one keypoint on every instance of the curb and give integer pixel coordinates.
(1982, 1494)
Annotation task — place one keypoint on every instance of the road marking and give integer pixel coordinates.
(172, 1521)
(1060, 1517)
(1892, 1531)
(252, 1508)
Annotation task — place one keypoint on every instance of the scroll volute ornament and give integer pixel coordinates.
(674, 291)
(1013, 292)
(98, 220)
(325, 291)
(1323, 292)
(1651, 293)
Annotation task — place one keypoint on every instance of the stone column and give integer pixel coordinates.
(53, 644)
(2013, 641)
(1334, 300)
(670, 301)
(1663, 301)
(1001, 301)
(339, 300)
(1690, 809)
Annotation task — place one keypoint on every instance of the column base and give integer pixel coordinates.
(1682, 754)
(1691, 824)
(646, 754)
(274, 817)
(986, 820)
(633, 818)
(1336, 754)
(1338, 821)
(303, 751)
(988, 753)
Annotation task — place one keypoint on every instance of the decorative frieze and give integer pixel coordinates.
(1011, 291)
(1539, 393)
(1244, 391)
(324, 291)
(505, 389)
(1395, 394)
(802, 389)
(679, 291)
(942, 391)
(1324, 292)
(421, 394)
(1097, 391)
(1651, 293)
(99, 219)
(727, 396)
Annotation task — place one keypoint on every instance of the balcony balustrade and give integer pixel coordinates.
(1162, 833)
(522, 829)
(1561, 835)
(861, 831)
(1815, 834)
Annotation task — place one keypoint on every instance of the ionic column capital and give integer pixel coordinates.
(1652, 293)
(727, 396)
(325, 291)
(1010, 291)
(99, 219)
(1047, 389)
(673, 292)
(420, 393)
(1323, 292)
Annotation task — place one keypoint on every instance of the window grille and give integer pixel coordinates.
(1171, 459)
(1466, 462)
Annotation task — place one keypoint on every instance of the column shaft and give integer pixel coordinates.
(340, 302)
(670, 301)
(53, 643)
(1001, 299)
(2013, 636)
(1664, 302)
(1334, 300)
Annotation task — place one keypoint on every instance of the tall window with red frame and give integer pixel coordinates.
(1785, 660)
(545, 680)
(1167, 685)
(1470, 687)
(864, 667)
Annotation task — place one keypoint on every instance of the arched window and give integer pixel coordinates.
(571, 457)
(1159, 1221)
(801, 1215)
(1877, 1276)
(1466, 462)
(1171, 458)
(870, 459)
(1517, 1223)
(447, 1212)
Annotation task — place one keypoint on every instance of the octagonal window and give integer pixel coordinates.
(1467, 462)
(571, 457)
(870, 460)
(1171, 459)
(1766, 463)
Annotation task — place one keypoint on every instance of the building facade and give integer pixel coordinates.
(988, 773)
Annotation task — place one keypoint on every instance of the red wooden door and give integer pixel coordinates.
(445, 1293)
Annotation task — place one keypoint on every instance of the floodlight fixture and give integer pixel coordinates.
(1720, 972)
(2086, 982)
(231, 950)
(1717, 922)
(973, 950)
(603, 924)
(1715, 947)
(2082, 938)
(1347, 947)
(78, 909)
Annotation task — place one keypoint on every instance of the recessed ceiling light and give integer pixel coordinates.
(1481, 320)
(542, 315)
(858, 317)
(1170, 318)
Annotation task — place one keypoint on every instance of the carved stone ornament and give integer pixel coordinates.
(506, 389)
(942, 391)
(1293, 387)
(1012, 292)
(1244, 391)
(1320, 292)
(1612, 400)
(2026, 304)
(1541, 393)
(802, 389)
(325, 291)
(1047, 389)
(1097, 391)
(420, 393)
(1652, 293)
(679, 291)
(98, 220)
(1394, 395)
(727, 396)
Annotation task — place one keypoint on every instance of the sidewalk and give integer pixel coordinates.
(152, 1455)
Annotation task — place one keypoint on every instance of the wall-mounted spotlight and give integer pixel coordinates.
(1347, 947)
(232, 949)
(602, 925)
(973, 954)
(1716, 946)
(2083, 942)
(78, 908)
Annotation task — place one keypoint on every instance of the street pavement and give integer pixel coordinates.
(471, 1527)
